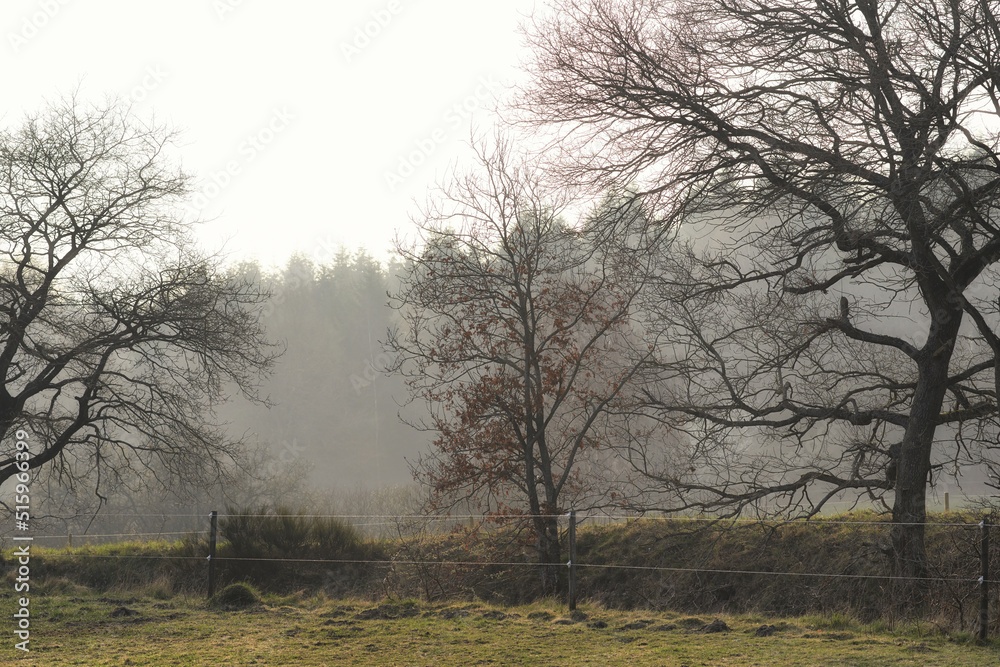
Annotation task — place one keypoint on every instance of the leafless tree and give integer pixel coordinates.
(516, 335)
(117, 335)
(843, 156)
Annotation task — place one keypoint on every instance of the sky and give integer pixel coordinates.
(310, 126)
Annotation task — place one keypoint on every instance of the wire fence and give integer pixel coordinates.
(402, 525)
(688, 562)
(378, 526)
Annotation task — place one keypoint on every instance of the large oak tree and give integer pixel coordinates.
(844, 156)
(117, 334)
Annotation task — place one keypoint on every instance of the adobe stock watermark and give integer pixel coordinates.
(22, 554)
(223, 8)
(364, 34)
(249, 149)
(373, 369)
(31, 25)
(152, 77)
(288, 454)
(457, 116)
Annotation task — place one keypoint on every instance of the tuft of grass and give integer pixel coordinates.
(236, 596)
(162, 588)
(833, 621)
(60, 586)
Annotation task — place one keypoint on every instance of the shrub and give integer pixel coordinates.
(336, 539)
(260, 545)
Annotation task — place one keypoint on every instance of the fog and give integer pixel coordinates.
(334, 412)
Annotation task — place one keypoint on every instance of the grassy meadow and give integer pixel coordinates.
(78, 627)
(419, 601)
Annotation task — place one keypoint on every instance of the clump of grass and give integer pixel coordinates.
(834, 621)
(62, 586)
(162, 588)
(236, 596)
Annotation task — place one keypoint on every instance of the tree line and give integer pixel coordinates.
(334, 407)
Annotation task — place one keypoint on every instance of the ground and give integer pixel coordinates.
(86, 629)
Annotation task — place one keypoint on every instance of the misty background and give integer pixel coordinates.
(312, 128)
(334, 410)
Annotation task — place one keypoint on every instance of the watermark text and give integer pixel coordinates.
(22, 521)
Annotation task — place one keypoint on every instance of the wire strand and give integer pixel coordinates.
(652, 568)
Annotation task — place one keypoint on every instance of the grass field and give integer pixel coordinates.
(77, 627)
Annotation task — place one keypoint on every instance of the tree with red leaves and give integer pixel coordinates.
(519, 333)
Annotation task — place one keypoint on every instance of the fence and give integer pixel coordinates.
(687, 562)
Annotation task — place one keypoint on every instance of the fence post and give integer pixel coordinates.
(984, 585)
(572, 560)
(214, 515)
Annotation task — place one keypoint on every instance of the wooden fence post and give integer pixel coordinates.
(984, 580)
(214, 516)
(572, 560)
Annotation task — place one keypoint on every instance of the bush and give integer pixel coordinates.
(256, 532)
(260, 545)
(336, 539)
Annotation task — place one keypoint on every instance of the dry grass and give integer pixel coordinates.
(91, 629)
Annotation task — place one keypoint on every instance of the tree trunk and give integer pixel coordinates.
(549, 552)
(909, 511)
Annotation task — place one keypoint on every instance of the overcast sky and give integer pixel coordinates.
(310, 124)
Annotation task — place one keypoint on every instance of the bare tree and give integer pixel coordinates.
(516, 335)
(117, 336)
(847, 157)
